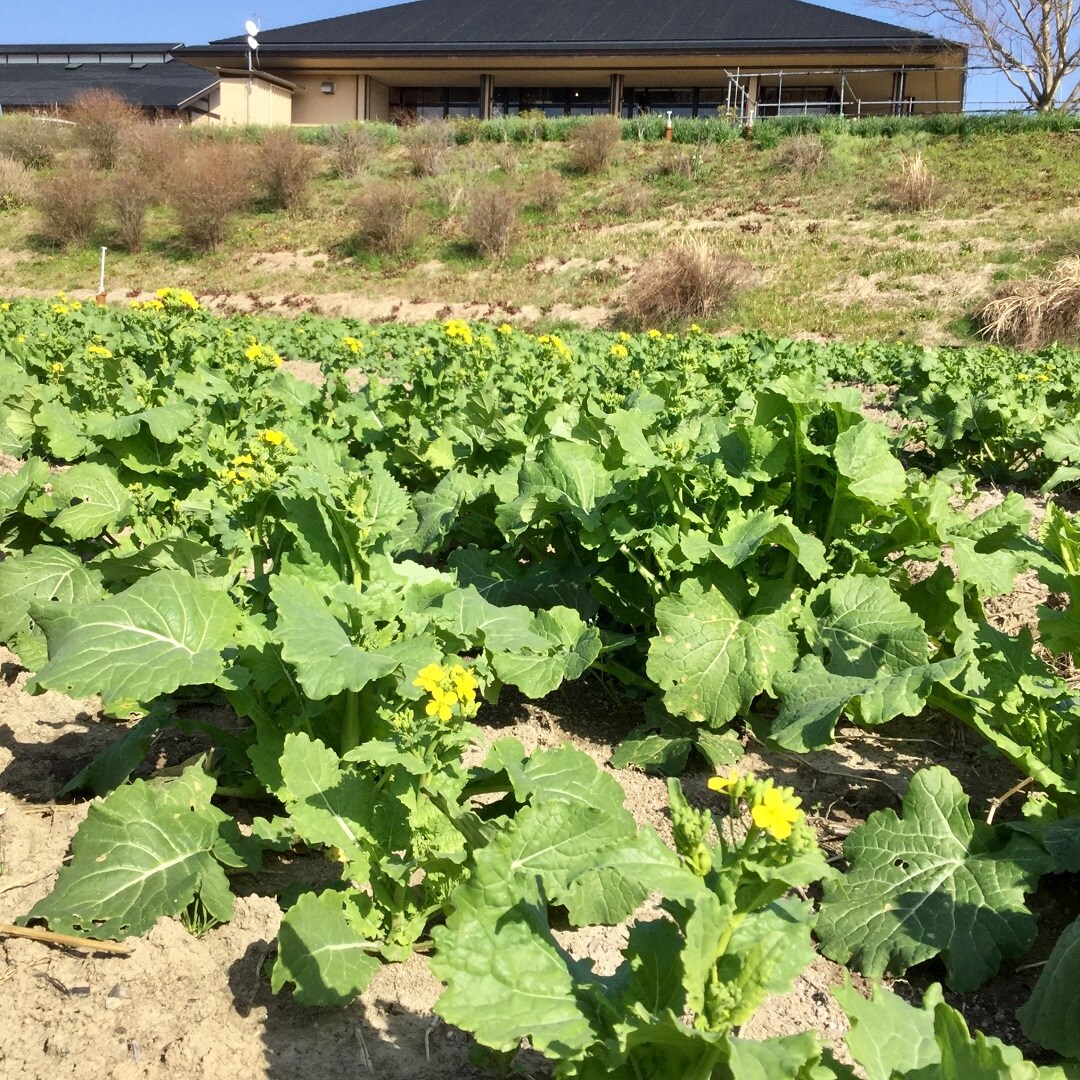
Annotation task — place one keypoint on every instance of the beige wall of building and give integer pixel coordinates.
(254, 101)
(314, 105)
(378, 100)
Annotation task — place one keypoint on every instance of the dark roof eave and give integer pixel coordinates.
(350, 51)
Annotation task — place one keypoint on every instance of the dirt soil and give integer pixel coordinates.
(200, 1007)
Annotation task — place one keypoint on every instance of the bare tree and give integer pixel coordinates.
(1034, 43)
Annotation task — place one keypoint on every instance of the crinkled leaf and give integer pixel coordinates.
(168, 630)
(865, 459)
(932, 882)
(322, 951)
(93, 500)
(709, 660)
(145, 851)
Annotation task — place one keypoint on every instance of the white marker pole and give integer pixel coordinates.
(101, 278)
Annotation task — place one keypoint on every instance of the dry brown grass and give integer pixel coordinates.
(628, 198)
(211, 183)
(801, 155)
(546, 191)
(917, 188)
(153, 150)
(286, 169)
(387, 219)
(491, 223)
(592, 145)
(31, 141)
(684, 161)
(16, 184)
(130, 194)
(1037, 312)
(691, 279)
(69, 208)
(506, 158)
(102, 119)
(352, 149)
(428, 146)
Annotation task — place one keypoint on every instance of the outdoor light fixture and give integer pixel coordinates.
(328, 87)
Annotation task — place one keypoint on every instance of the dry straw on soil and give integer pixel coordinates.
(691, 279)
(802, 156)
(1037, 312)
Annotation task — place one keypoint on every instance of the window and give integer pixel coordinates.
(788, 100)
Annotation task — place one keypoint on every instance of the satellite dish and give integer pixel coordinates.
(251, 28)
(252, 42)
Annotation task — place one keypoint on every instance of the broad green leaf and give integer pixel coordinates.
(933, 882)
(168, 630)
(788, 1056)
(17, 487)
(47, 575)
(314, 641)
(1051, 1016)
(117, 762)
(474, 621)
(653, 752)
(745, 534)
(93, 501)
(322, 951)
(147, 850)
(887, 1036)
(572, 648)
(709, 660)
(861, 627)
(865, 459)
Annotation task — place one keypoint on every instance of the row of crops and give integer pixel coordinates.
(357, 562)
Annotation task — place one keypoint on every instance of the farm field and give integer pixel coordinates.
(407, 667)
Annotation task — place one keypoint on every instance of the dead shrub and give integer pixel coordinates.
(16, 184)
(628, 199)
(387, 219)
(683, 161)
(351, 148)
(546, 191)
(211, 183)
(32, 141)
(153, 150)
(917, 187)
(691, 279)
(492, 220)
(593, 143)
(1037, 312)
(450, 189)
(801, 155)
(69, 208)
(427, 146)
(102, 119)
(506, 158)
(286, 168)
(130, 195)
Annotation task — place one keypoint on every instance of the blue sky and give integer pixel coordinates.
(198, 21)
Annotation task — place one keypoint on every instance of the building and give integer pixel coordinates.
(45, 78)
(443, 58)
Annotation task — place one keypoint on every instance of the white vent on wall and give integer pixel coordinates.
(329, 87)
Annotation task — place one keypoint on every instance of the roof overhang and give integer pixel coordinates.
(258, 76)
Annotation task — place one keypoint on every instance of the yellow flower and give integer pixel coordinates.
(57, 368)
(506, 329)
(465, 685)
(1021, 377)
(5, 306)
(459, 330)
(1042, 378)
(430, 678)
(695, 329)
(253, 352)
(354, 345)
(21, 339)
(98, 350)
(61, 309)
(441, 704)
(76, 305)
(624, 336)
(724, 783)
(243, 459)
(272, 437)
(776, 813)
(655, 334)
(621, 351)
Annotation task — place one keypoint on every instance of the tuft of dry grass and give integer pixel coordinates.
(352, 148)
(691, 279)
(546, 191)
(1037, 312)
(130, 194)
(491, 223)
(428, 146)
(917, 188)
(592, 145)
(684, 161)
(387, 220)
(506, 158)
(211, 183)
(801, 155)
(69, 208)
(628, 198)
(16, 184)
(286, 169)
(102, 119)
(32, 141)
